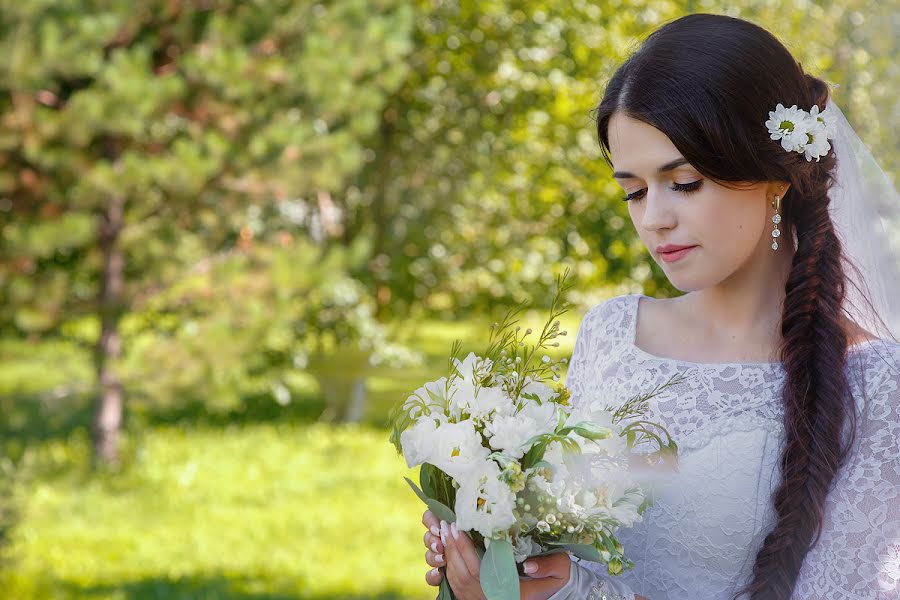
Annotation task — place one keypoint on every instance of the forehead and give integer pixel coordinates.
(636, 146)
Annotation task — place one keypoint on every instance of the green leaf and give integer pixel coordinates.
(416, 489)
(427, 480)
(440, 510)
(499, 578)
(592, 431)
(588, 430)
(585, 551)
(535, 454)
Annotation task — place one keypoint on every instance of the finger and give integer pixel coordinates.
(434, 576)
(433, 542)
(431, 523)
(466, 549)
(550, 575)
(554, 565)
(458, 572)
(434, 560)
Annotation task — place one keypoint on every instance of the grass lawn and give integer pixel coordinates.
(262, 511)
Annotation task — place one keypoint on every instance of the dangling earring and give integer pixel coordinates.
(776, 218)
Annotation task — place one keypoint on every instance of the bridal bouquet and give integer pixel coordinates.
(505, 456)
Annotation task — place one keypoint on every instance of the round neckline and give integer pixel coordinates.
(635, 305)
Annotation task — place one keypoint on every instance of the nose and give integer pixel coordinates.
(658, 210)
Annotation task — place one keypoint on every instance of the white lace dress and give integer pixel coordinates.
(699, 540)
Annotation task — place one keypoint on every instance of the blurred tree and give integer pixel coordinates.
(488, 178)
(135, 135)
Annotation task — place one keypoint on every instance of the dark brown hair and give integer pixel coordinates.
(708, 82)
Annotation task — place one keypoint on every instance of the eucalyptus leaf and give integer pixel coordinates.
(416, 489)
(584, 552)
(441, 511)
(499, 578)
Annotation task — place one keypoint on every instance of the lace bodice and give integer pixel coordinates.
(700, 538)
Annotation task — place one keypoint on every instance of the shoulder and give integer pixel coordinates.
(608, 324)
(610, 318)
(878, 360)
(874, 373)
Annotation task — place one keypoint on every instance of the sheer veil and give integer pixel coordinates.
(865, 209)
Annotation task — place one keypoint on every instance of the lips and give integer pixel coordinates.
(671, 248)
(670, 254)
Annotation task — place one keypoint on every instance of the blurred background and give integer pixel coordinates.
(235, 234)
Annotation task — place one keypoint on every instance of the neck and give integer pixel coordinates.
(746, 307)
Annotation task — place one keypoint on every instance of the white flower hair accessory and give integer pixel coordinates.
(800, 131)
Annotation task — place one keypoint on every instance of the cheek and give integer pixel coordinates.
(740, 226)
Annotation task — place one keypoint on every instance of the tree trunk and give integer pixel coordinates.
(109, 403)
(380, 215)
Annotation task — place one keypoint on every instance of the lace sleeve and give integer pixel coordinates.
(858, 553)
(574, 380)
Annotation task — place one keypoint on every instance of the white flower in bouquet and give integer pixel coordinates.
(525, 547)
(475, 402)
(613, 445)
(483, 502)
(458, 448)
(470, 397)
(544, 392)
(417, 441)
(510, 433)
(431, 396)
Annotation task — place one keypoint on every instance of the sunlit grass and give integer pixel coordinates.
(307, 511)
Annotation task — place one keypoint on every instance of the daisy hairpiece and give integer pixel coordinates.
(800, 131)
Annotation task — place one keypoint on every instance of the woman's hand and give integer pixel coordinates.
(448, 548)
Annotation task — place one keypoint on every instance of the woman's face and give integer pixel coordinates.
(670, 203)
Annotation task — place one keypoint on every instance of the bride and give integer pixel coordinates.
(736, 165)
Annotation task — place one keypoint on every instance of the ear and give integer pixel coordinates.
(777, 187)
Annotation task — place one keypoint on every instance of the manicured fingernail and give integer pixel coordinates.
(444, 532)
(435, 530)
(439, 558)
(434, 571)
(454, 531)
(529, 567)
(434, 547)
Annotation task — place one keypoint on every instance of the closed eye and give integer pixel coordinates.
(687, 188)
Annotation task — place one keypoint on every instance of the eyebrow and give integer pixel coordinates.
(666, 167)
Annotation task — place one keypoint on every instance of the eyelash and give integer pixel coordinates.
(687, 188)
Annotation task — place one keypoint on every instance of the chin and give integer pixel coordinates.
(686, 282)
